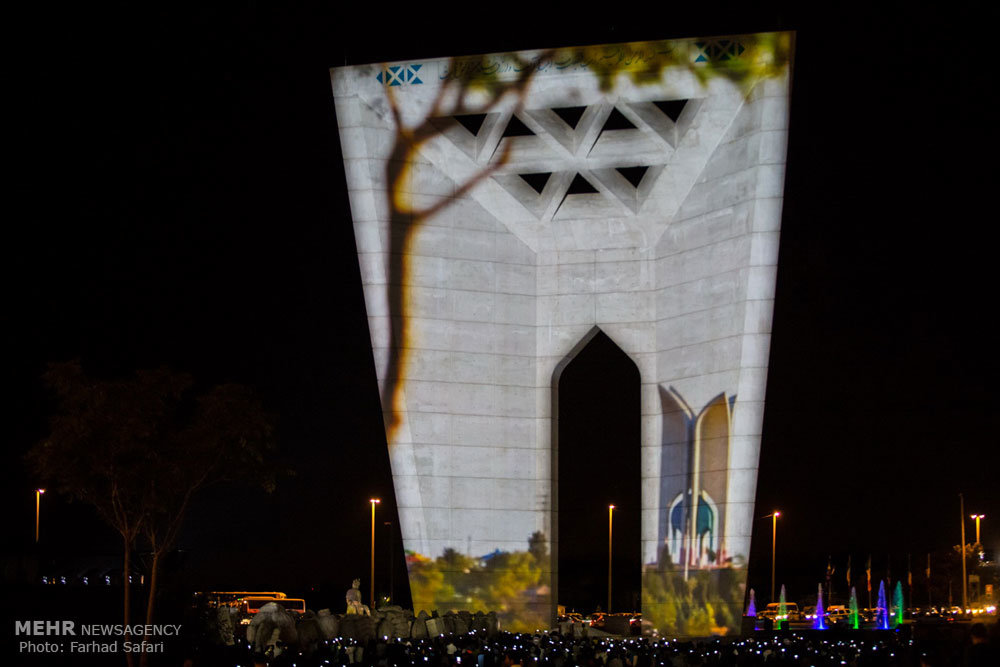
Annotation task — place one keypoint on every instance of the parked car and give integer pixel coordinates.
(838, 613)
(595, 620)
(773, 612)
(770, 611)
(570, 617)
(873, 614)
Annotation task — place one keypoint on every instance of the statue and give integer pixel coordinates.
(353, 599)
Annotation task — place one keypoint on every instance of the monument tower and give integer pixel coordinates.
(508, 207)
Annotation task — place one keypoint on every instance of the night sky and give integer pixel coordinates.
(179, 199)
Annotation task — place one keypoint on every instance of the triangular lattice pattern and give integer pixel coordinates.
(603, 157)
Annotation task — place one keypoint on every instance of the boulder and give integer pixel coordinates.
(357, 627)
(463, 622)
(449, 623)
(492, 624)
(419, 629)
(328, 623)
(310, 634)
(435, 627)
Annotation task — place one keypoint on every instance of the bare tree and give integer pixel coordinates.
(139, 449)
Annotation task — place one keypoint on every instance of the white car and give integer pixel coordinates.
(838, 614)
(773, 612)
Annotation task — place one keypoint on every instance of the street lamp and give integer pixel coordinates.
(611, 510)
(977, 517)
(965, 581)
(374, 502)
(392, 559)
(38, 510)
(774, 543)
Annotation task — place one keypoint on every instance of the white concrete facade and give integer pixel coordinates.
(496, 288)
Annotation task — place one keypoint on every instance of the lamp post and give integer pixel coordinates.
(374, 502)
(977, 517)
(611, 510)
(774, 543)
(392, 560)
(38, 510)
(965, 582)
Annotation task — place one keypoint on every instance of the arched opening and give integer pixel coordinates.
(597, 463)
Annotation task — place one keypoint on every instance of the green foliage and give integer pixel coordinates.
(707, 602)
(426, 583)
(760, 56)
(511, 583)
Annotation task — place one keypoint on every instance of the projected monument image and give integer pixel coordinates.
(507, 208)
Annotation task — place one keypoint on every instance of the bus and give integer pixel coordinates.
(229, 598)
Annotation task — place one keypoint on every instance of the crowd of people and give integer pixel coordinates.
(977, 645)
